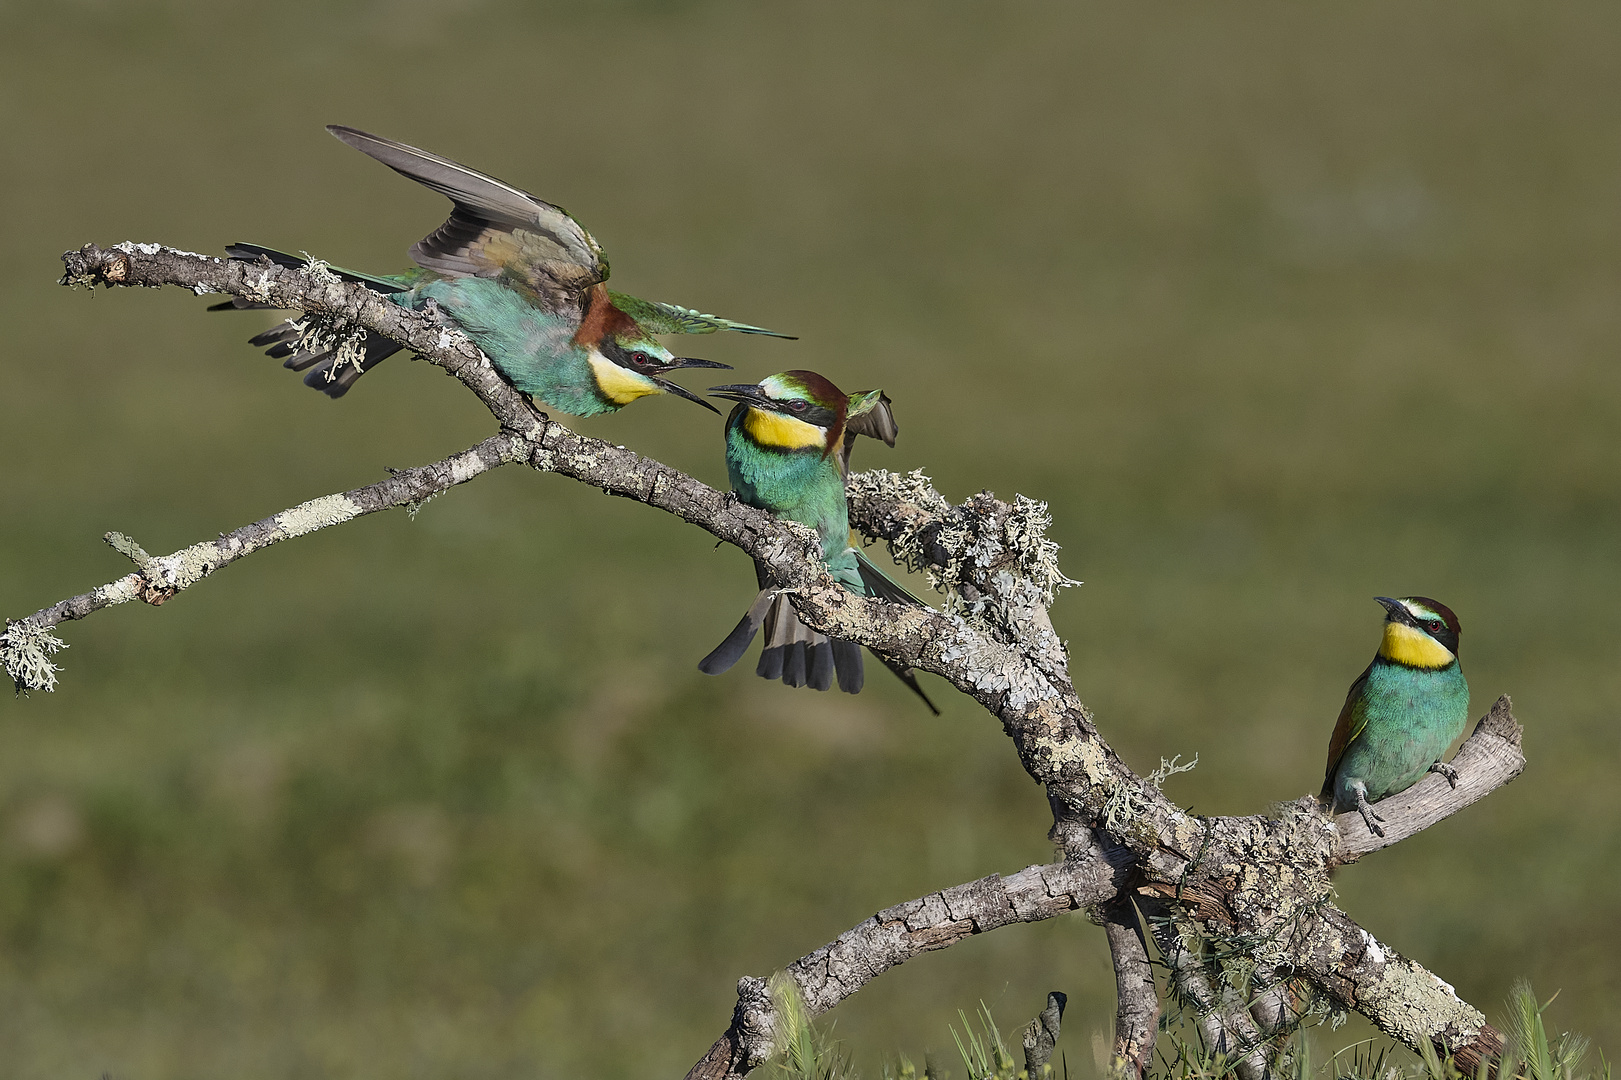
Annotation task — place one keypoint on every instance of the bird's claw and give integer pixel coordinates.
(1369, 818)
(1447, 771)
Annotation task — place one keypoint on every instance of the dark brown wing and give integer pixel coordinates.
(495, 228)
(1353, 718)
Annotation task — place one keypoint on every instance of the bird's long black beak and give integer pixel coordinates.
(692, 361)
(681, 391)
(748, 393)
(1395, 609)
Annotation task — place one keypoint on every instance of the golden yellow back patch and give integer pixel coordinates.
(775, 429)
(617, 384)
(1415, 648)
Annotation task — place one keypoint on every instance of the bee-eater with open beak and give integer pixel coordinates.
(1402, 714)
(524, 280)
(787, 453)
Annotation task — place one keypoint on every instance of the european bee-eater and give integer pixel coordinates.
(1402, 714)
(787, 452)
(524, 280)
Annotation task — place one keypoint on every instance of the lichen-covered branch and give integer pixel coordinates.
(1221, 1012)
(158, 578)
(1136, 1018)
(1260, 881)
(897, 934)
(1404, 999)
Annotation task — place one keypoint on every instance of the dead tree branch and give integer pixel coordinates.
(1257, 884)
(895, 935)
(158, 579)
(1136, 1018)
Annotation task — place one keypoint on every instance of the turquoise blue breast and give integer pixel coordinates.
(533, 348)
(1412, 716)
(800, 485)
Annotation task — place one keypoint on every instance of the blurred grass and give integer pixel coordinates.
(1281, 307)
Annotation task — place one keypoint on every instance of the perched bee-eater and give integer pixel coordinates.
(524, 280)
(787, 451)
(1402, 713)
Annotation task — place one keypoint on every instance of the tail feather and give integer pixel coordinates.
(881, 585)
(284, 341)
(820, 675)
(909, 677)
(283, 333)
(241, 303)
(253, 252)
(737, 643)
(793, 664)
(771, 662)
(320, 376)
(800, 656)
(847, 661)
(884, 587)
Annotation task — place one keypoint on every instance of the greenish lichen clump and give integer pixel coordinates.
(956, 547)
(26, 651)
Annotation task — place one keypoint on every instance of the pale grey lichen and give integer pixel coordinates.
(26, 651)
(956, 546)
(414, 507)
(257, 288)
(1122, 807)
(1126, 802)
(915, 489)
(320, 332)
(318, 270)
(1026, 530)
(1236, 970)
(994, 668)
(316, 514)
(130, 247)
(1168, 769)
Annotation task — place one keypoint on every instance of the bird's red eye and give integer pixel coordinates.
(639, 359)
(797, 406)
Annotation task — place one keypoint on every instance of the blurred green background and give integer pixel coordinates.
(1280, 306)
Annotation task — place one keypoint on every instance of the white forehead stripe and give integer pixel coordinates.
(1419, 611)
(774, 387)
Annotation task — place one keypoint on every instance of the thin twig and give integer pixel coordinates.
(161, 577)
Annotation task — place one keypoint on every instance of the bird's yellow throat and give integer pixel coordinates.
(618, 385)
(775, 429)
(1415, 648)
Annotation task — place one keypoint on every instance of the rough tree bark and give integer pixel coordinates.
(1255, 886)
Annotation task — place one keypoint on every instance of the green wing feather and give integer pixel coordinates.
(1346, 729)
(881, 585)
(657, 318)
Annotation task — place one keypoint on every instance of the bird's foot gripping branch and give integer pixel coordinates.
(1255, 887)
